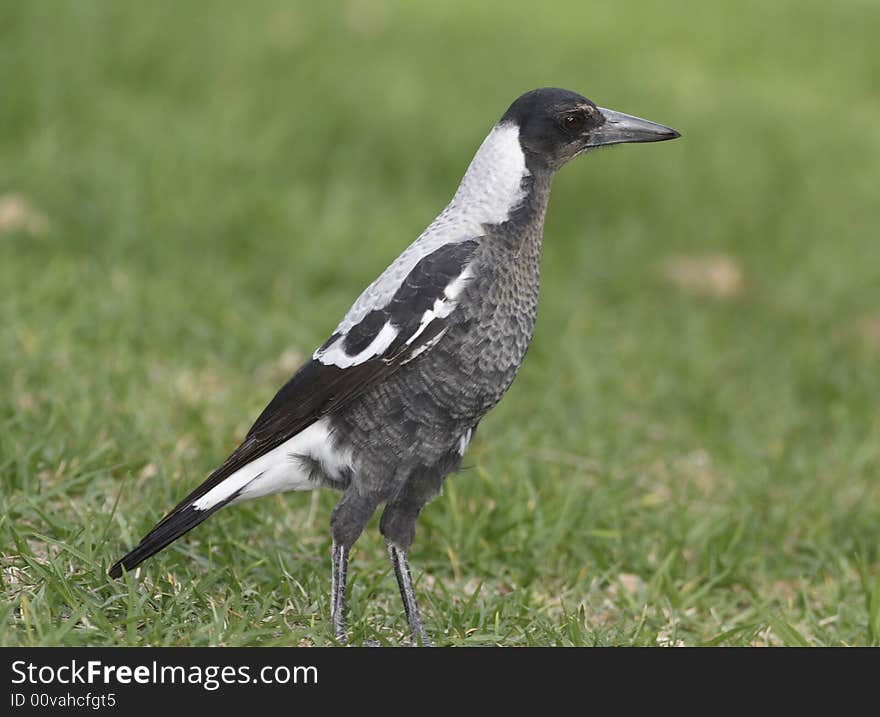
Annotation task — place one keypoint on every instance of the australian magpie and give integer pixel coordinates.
(385, 409)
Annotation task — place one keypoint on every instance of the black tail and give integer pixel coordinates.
(180, 521)
(184, 517)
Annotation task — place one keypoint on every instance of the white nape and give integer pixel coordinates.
(492, 185)
(491, 189)
(280, 470)
(335, 354)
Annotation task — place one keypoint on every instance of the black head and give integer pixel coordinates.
(556, 125)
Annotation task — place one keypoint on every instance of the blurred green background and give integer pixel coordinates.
(191, 195)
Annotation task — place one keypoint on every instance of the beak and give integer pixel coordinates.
(619, 128)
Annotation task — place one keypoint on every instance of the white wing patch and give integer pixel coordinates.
(425, 346)
(335, 354)
(442, 307)
(278, 470)
(464, 441)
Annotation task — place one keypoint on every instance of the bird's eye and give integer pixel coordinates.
(572, 121)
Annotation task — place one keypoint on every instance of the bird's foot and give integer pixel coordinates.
(420, 640)
(340, 635)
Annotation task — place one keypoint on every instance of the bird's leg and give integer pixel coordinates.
(408, 594)
(398, 525)
(337, 589)
(347, 522)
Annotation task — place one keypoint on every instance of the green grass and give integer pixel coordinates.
(687, 457)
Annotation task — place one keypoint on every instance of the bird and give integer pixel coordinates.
(385, 408)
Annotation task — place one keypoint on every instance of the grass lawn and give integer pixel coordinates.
(192, 194)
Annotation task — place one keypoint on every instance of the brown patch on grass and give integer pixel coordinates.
(766, 638)
(786, 590)
(281, 369)
(366, 18)
(665, 639)
(699, 468)
(18, 215)
(600, 619)
(195, 387)
(25, 402)
(716, 275)
(630, 582)
(287, 28)
(289, 361)
(148, 471)
(871, 330)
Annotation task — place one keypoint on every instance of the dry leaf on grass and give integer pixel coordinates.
(714, 275)
(630, 582)
(17, 214)
(282, 368)
(366, 18)
(871, 330)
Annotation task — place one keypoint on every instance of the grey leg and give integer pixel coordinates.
(408, 593)
(347, 521)
(337, 589)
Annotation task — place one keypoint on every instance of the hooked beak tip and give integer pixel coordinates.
(619, 128)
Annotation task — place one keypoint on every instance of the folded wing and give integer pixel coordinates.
(357, 355)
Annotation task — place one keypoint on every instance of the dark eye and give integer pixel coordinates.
(572, 121)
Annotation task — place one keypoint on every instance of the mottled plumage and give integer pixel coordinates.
(386, 407)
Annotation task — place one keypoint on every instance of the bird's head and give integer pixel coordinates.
(557, 125)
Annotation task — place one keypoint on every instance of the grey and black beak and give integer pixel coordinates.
(619, 127)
